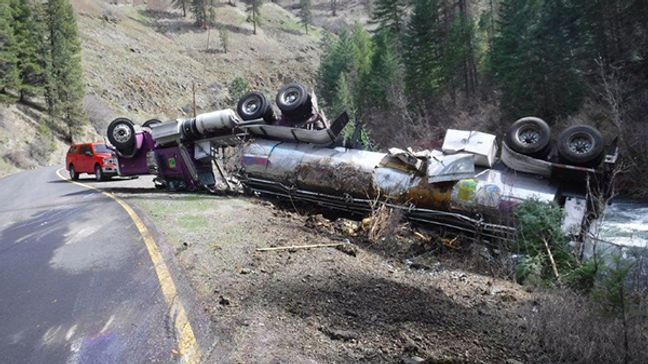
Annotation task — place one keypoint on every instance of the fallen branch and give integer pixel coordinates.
(551, 259)
(295, 247)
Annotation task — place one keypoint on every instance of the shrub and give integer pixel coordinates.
(238, 87)
(540, 238)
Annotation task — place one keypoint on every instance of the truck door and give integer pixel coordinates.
(86, 160)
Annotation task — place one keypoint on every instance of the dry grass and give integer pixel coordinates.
(383, 223)
(569, 328)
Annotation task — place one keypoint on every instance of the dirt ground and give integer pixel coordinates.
(396, 300)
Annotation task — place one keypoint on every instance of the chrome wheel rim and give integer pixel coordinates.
(122, 133)
(251, 105)
(291, 96)
(581, 143)
(528, 135)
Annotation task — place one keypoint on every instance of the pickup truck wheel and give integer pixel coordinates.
(121, 134)
(150, 123)
(253, 105)
(294, 101)
(73, 173)
(530, 136)
(99, 175)
(581, 145)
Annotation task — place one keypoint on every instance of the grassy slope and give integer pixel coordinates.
(144, 64)
(141, 61)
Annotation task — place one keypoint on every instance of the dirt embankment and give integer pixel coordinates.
(394, 300)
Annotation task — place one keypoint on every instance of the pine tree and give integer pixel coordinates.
(423, 60)
(180, 4)
(65, 87)
(29, 33)
(305, 14)
(337, 58)
(199, 8)
(384, 74)
(343, 100)
(362, 49)
(8, 50)
(389, 15)
(459, 57)
(515, 59)
(254, 10)
(535, 58)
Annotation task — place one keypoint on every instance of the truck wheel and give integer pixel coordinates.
(150, 123)
(253, 105)
(73, 173)
(581, 145)
(121, 134)
(530, 136)
(99, 175)
(294, 101)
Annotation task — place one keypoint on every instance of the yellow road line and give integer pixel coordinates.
(187, 344)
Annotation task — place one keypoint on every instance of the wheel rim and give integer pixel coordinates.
(290, 96)
(72, 172)
(528, 135)
(122, 133)
(251, 105)
(581, 143)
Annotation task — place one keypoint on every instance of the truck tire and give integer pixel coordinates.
(530, 136)
(581, 145)
(294, 101)
(121, 134)
(99, 175)
(254, 105)
(73, 173)
(150, 123)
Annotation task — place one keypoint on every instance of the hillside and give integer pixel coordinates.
(141, 61)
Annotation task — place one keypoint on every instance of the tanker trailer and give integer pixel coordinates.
(464, 186)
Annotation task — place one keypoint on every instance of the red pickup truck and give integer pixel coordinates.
(91, 158)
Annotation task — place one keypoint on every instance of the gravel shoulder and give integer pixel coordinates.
(390, 301)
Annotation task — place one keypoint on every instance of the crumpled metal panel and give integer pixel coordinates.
(444, 168)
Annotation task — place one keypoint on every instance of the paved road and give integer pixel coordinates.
(76, 282)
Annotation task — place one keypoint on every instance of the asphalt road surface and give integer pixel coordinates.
(76, 282)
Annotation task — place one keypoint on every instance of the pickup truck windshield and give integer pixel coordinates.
(101, 148)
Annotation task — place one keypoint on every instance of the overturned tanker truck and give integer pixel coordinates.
(468, 185)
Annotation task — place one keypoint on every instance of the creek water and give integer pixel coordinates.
(626, 223)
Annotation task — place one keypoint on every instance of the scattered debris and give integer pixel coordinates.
(295, 247)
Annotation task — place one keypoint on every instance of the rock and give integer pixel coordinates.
(223, 301)
(512, 361)
(347, 249)
(343, 335)
(245, 271)
(412, 360)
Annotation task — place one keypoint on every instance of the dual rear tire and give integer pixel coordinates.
(293, 100)
(254, 105)
(579, 145)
